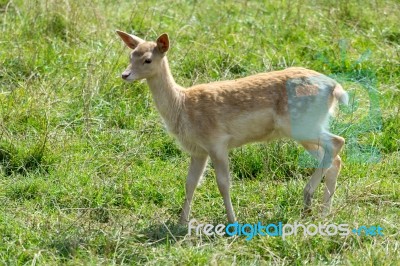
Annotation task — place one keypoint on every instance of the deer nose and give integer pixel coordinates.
(125, 75)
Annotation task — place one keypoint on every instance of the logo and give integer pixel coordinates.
(249, 231)
(363, 115)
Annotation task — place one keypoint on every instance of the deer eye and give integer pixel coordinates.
(147, 61)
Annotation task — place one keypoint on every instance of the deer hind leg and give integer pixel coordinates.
(332, 174)
(325, 149)
(196, 169)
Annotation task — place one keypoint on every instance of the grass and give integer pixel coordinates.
(89, 176)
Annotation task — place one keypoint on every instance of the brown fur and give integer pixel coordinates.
(209, 119)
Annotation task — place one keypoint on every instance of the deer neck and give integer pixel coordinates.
(167, 95)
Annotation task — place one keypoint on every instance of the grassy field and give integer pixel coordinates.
(88, 174)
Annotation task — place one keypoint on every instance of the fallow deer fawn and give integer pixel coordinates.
(209, 119)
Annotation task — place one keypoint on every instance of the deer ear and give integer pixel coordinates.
(163, 43)
(130, 40)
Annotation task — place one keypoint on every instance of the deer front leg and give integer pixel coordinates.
(196, 169)
(221, 166)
